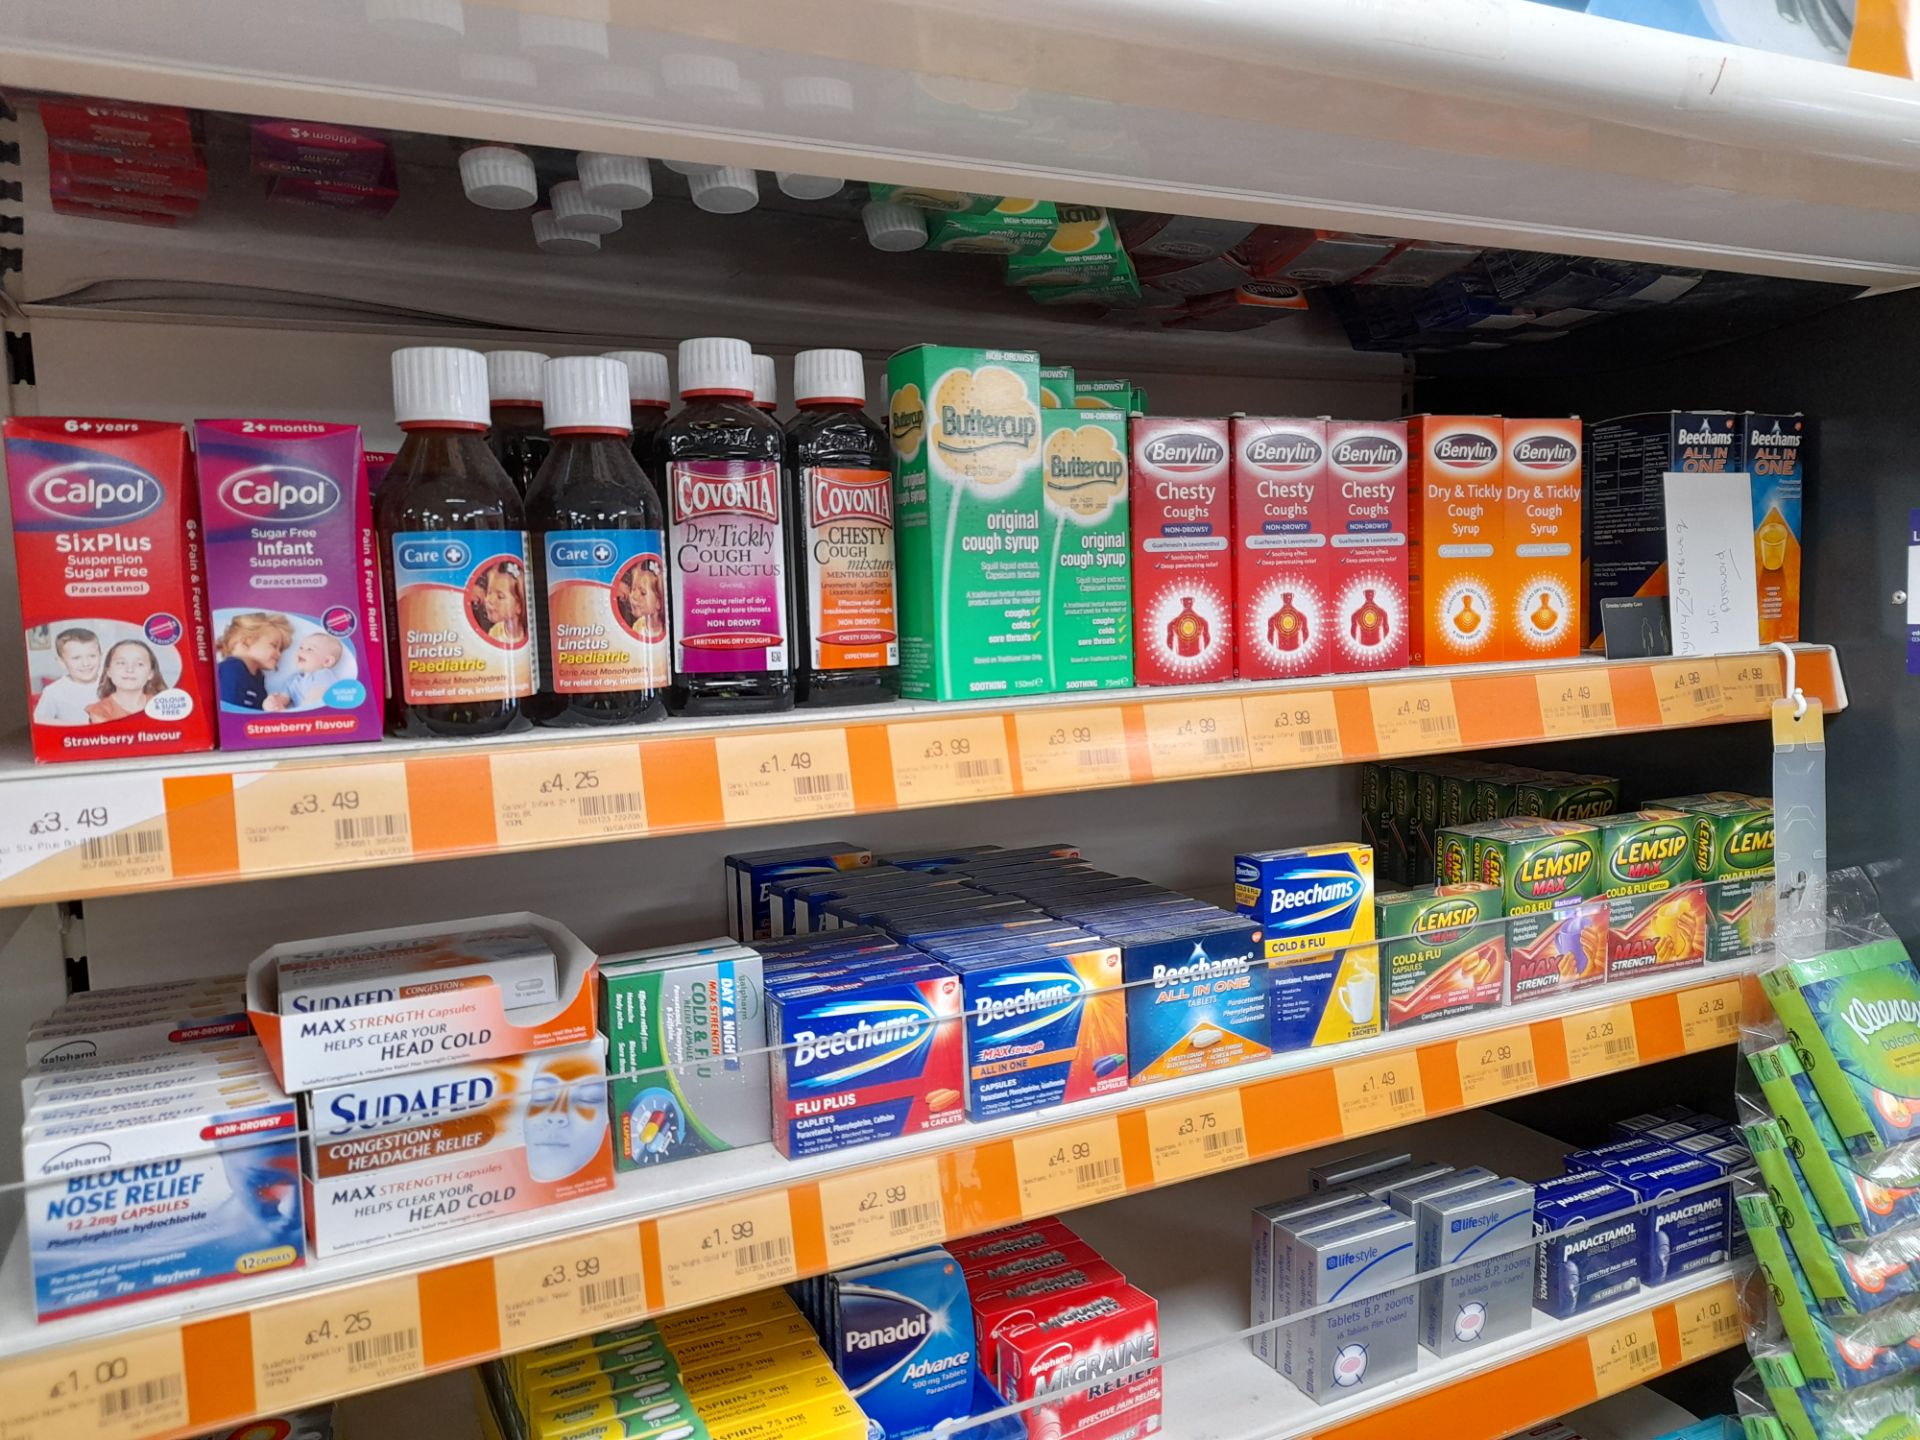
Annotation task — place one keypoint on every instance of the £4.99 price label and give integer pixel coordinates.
(724, 1249)
(784, 775)
(1688, 692)
(1195, 737)
(117, 1389)
(1068, 1166)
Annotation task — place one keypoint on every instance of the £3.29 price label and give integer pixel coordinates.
(1195, 737)
(1624, 1354)
(549, 797)
(784, 775)
(882, 1212)
(1575, 702)
(1601, 1041)
(1709, 1322)
(583, 1282)
(936, 761)
(725, 1249)
(1688, 691)
(336, 1343)
(117, 1389)
(309, 819)
(1496, 1066)
(1413, 718)
(1071, 749)
(1068, 1166)
(1710, 1016)
(1375, 1094)
(1196, 1136)
(1295, 727)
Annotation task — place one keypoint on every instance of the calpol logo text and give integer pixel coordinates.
(279, 494)
(89, 492)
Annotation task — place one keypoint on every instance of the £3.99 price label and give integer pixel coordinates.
(1375, 1094)
(313, 818)
(1575, 702)
(1624, 1354)
(1710, 1016)
(1069, 1166)
(1601, 1041)
(336, 1343)
(583, 1282)
(1496, 1066)
(1195, 737)
(1412, 718)
(1688, 691)
(1071, 749)
(115, 1390)
(548, 797)
(882, 1212)
(1709, 1322)
(725, 1249)
(1193, 1137)
(1298, 727)
(935, 761)
(784, 775)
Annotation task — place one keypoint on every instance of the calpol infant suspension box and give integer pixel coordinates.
(1539, 556)
(1367, 489)
(106, 531)
(1283, 565)
(292, 582)
(1457, 524)
(1183, 603)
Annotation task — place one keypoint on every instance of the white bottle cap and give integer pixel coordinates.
(808, 187)
(766, 383)
(817, 94)
(498, 177)
(623, 182)
(727, 191)
(563, 37)
(894, 227)
(418, 19)
(689, 168)
(557, 239)
(514, 377)
(711, 365)
(575, 211)
(829, 375)
(646, 376)
(436, 383)
(587, 392)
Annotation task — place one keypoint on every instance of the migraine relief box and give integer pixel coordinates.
(1183, 600)
(1087, 622)
(965, 427)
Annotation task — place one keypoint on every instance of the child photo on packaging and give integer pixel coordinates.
(131, 678)
(251, 644)
(88, 671)
(270, 661)
(65, 699)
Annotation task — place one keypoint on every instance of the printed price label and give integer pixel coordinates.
(784, 775)
(115, 1390)
(1688, 691)
(1074, 1165)
(725, 1249)
(1709, 1322)
(1750, 685)
(77, 834)
(584, 1282)
(935, 761)
(1624, 1354)
(1197, 1136)
(1298, 728)
(1376, 1094)
(353, 1339)
(1195, 737)
(1496, 1066)
(1601, 1041)
(314, 818)
(1071, 749)
(882, 1212)
(548, 797)
(1575, 702)
(1413, 718)
(1710, 1016)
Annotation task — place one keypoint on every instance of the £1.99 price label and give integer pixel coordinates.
(723, 1250)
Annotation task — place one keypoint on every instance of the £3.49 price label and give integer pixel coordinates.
(548, 797)
(1601, 1041)
(118, 1389)
(1297, 727)
(78, 835)
(1688, 691)
(314, 818)
(1195, 737)
(1412, 718)
(1068, 1166)
(935, 761)
(1575, 702)
(784, 775)
(1624, 1354)
(1196, 1136)
(336, 1343)
(1071, 749)
(1709, 1322)
(725, 1249)
(882, 1212)
(582, 1282)
(1496, 1066)
(1375, 1094)
(1710, 1016)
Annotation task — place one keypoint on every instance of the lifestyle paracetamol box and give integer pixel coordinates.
(965, 427)
(1538, 570)
(1283, 564)
(1182, 515)
(1456, 523)
(1369, 499)
(1086, 545)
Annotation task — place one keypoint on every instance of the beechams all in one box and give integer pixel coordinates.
(1086, 572)
(1457, 524)
(1367, 525)
(1777, 463)
(965, 426)
(1183, 601)
(1283, 565)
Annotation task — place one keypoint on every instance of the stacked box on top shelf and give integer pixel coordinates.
(1405, 805)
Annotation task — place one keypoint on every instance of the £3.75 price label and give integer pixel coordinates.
(882, 1212)
(1601, 1041)
(76, 835)
(1710, 1016)
(115, 1390)
(1688, 691)
(1071, 749)
(1069, 1166)
(1193, 1137)
(935, 761)
(1375, 1094)
(1575, 702)
(1298, 727)
(583, 1282)
(1749, 685)
(1709, 1322)
(1412, 718)
(333, 1344)
(1195, 737)
(725, 1249)
(312, 818)
(548, 797)
(784, 775)
(1496, 1066)
(1624, 1354)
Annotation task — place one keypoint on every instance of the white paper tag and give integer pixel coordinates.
(1714, 604)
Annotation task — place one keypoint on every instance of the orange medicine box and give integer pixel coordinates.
(1456, 528)
(1539, 562)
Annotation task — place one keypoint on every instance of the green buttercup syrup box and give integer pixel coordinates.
(1102, 394)
(1733, 854)
(965, 426)
(1013, 227)
(1087, 621)
(1084, 247)
(1056, 387)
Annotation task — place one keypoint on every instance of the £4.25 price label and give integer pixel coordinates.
(882, 1212)
(1710, 1016)
(1575, 702)
(1623, 1354)
(784, 775)
(1413, 718)
(583, 1282)
(1496, 1066)
(725, 1249)
(118, 1389)
(1601, 1041)
(1195, 737)
(1688, 692)
(1071, 749)
(1069, 1166)
(1375, 1094)
(935, 761)
(548, 797)
(1296, 727)
(308, 819)
(336, 1343)
(1196, 1136)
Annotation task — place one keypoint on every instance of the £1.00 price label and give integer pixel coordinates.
(1689, 692)
(1496, 1066)
(1709, 1322)
(1071, 749)
(1195, 737)
(583, 1282)
(116, 1390)
(1623, 1354)
(1375, 1094)
(1194, 1137)
(308, 819)
(1710, 1016)
(1413, 718)
(784, 775)
(1068, 1166)
(936, 761)
(725, 1249)
(336, 1343)
(1601, 1041)
(1575, 702)
(1299, 727)
(549, 797)
(882, 1212)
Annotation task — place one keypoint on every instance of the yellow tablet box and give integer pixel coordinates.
(835, 1418)
(803, 1389)
(754, 1309)
(729, 1372)
(704, 1350)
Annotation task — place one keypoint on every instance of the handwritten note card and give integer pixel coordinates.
(1715, 607)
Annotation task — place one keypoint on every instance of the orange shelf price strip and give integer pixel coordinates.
(555, 797)
(1414, 717)
(1196, 1136)
(583, 1282)
(938, 761)
(337, 1342)
(1206, 736)
(881, 1212)
(1299, 727)
(1068, 1166)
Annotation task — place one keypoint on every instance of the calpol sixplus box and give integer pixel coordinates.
(1086, 571)
(106, 533)
(965, 426)
(1183, 601)
(1657, 916)
(1777, 462)
(1315, 906)
(1075, 1361)
(1283, 564)
(1457, 525)
(292, 581)
(1538, 569)
(1443, 952)
(1368, 498)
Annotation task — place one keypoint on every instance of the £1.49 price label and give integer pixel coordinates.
(1375, 1094)
(784, 775)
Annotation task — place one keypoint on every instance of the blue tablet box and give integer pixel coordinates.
(1590, 1243)
(1197, 998)
(1685, 1228)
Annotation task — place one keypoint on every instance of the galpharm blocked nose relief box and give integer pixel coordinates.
(106, 533)
(1457, 526)
(1777, 462)
(1369, 496)
(965, 426)
(292, 581)
(1283, 565)
(1539, 559)
(1086, 550)
(1183, 600)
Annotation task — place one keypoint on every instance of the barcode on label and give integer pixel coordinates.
(991, 768)
(1100, 756)
(128, 845)
(615, 806)
(1095, 1173)
(350, 828)
(1315, 739)
(1438, 724)
(1618, 1045)
(601, 1292)
(1705, 694)
(1216, 747)
(1590, 712)
(376, 1349)
(1518, 1070)
(1648, 1354)
(143, 1396)
(807, 787)
(1216, 1141)
(912, 1217)
(762, 1252)
(1403, 1096)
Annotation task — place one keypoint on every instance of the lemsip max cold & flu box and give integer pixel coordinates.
(1457, 526)
(107, 535)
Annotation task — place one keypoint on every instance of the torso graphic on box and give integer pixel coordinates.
(1282, 564)
(1456, 520)
(1182, 552)
(1539, 566)
(1367, 527)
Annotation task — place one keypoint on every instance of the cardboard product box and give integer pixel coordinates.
(1197, 998)
(1733, 857)
(1485, 1302)
(1056, 387)
(1012, 227)
(1086, 544)
(1283, 563)
(1456, 522)
(1538, 570)
(1371, 1340)
(1776, 448)
(1443, 952)
(1369, 492)
(1556, 795)
(1183, 598)
(1548, 872)
(1657, 916)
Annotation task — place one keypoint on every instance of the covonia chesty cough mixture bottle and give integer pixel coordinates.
(517, 433)
(720, 458)
(454, 539)
(599, 557)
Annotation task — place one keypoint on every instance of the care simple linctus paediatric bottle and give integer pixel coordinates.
(650, 396)
(599, 557)
(517, 432)
(846, 634)
(720, 459)
(453, 539)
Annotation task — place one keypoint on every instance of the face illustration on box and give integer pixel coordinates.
(566, 1119)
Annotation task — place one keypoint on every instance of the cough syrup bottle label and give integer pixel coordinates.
(607, 610)
(729, 574)
(847, 540)
(464, 617)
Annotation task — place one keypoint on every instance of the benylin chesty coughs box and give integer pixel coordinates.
(1183, 601)
(1283, 565)
(1367, 527)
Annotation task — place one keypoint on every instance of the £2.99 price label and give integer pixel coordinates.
(936, 761)
(1068, 1166)
(784, 775)
(310, 819)
(549, 797)
(722, 1250)
(583, 1282)
(1297, 727)
(882, 1212)
(1496, 1066)
(336, 1343)
(118, 1389)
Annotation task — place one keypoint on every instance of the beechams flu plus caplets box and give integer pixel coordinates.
(1283, 564)
(1183, 600)
(1087, 570)
(1369, 495)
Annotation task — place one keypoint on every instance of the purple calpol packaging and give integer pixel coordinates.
(291, 581)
